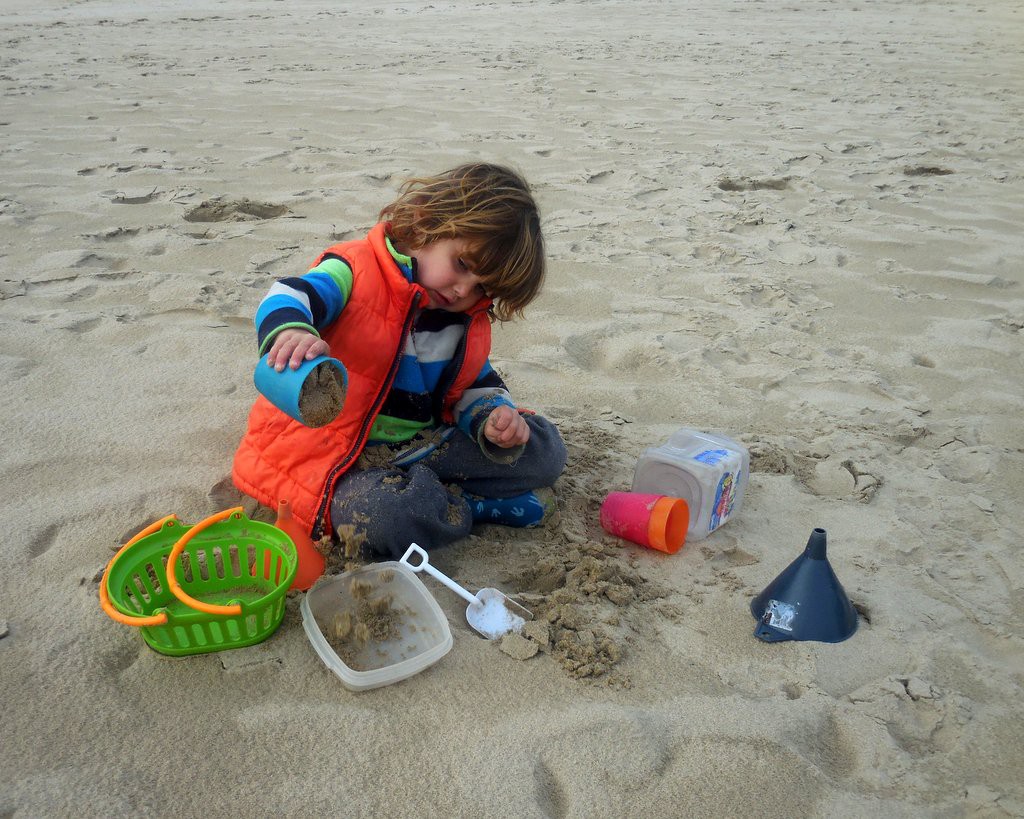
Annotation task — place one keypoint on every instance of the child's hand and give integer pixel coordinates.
(506, 428)
(292, 346)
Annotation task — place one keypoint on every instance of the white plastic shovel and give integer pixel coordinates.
(490, 612)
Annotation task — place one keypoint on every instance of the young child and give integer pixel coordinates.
(408, 311)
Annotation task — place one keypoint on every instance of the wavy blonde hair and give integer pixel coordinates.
(489, 207)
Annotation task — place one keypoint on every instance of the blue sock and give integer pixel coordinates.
(526, 510)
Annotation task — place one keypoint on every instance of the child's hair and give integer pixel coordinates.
(491, 208)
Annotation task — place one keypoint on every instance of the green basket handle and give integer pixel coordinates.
(172, 559)
(108, 607)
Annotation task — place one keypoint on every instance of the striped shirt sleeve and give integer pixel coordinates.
(310, 302)
(480, 399)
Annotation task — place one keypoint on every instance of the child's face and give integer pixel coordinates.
(443, 273)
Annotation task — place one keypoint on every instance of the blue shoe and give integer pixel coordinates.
(524, 511)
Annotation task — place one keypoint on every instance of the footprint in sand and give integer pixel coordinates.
(762, 294)
(628, 749)
(744, 183)
(15, 367)
(41, 542)
(921, 718)
(599, 177)
(586, 350)
(1010, 322)
(93, 260)
(113, 233)
(121, 658)
(78, 322)
(926, 170)
(792, 253)
(734, 557)
(258, 656)
(835, 477)
(132, 197)
(116, 168)
(638, 763)
(831, 476)
(830, 746)
(10, 289)
(234, 210)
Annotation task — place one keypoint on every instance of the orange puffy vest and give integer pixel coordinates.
(279, 458)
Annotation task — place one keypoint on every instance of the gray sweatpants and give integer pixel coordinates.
(393, 506)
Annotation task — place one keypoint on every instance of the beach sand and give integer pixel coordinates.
(797, 224)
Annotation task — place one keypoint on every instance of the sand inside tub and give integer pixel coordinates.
(322, 395)
(374, 618)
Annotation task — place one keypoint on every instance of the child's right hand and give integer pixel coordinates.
(292, 346)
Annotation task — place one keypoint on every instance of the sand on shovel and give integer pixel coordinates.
(322, 396)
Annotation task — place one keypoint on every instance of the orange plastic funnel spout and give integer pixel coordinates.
(311, 562)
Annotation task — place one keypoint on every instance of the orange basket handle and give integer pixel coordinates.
(108, 607)
(172, 559)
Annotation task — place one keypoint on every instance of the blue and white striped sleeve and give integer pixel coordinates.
(479, 400)
(310, 302)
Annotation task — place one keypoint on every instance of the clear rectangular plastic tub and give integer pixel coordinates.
(375, 625)
(708, 471)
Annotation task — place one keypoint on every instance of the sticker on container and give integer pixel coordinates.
(780, 615)
(725, 499)
(711, 456)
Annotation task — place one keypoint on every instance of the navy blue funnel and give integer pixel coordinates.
(806, 601)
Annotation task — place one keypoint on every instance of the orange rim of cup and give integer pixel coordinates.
(670, 518)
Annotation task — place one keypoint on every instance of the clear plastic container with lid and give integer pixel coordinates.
(403, 628)
(708, 471)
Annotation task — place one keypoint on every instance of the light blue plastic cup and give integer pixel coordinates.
(283, 389)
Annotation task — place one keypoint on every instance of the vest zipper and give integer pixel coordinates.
(357, 446)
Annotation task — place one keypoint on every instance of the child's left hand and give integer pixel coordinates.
(506, 428)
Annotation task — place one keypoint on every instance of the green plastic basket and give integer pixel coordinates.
(227, 589)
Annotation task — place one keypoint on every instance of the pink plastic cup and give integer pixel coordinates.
(655, 521)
